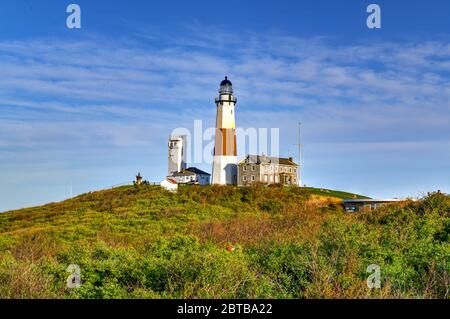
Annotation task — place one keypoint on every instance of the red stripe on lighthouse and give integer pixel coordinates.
(225, 142)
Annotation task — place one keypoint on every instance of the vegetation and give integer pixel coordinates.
(224, 242)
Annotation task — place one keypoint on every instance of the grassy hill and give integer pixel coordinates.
(332, 193)
(224, 242)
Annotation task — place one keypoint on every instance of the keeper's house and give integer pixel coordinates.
(267, 170)
(361, 205)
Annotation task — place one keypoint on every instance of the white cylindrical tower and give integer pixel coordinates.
(177, 154)
(225, 150)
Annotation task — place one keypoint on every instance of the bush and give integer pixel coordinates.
(146, 243)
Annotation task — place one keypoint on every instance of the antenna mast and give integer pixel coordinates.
(300, 164)
(299, 145)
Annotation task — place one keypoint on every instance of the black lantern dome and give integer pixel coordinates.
(226, 87)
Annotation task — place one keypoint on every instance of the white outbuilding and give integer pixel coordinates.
(169, 184)
(192, 176)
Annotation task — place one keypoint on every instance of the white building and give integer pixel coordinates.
(225, 150)
(177, 164)
(177, 154)
(192, 175)
(169, 184)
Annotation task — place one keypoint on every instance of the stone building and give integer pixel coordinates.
(267, 170)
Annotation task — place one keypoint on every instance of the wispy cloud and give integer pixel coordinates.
(130, 93)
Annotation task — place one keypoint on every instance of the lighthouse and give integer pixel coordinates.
(225, 150)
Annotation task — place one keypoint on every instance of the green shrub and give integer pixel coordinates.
(224, 242)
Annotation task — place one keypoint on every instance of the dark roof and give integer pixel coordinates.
(226, 82)
(226, 87)
(191, 171)
(184, 173)
(197, 171)
(263, 159)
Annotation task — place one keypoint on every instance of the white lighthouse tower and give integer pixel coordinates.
(177, 154)
(225, 150)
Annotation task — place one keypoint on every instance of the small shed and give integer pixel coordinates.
(169, 184)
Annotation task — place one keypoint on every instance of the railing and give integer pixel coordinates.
(230, 99)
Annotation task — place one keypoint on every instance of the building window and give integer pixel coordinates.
(244, 168)
(265, 178)
(244, 178)
(253, 177)
(295, 170)
(290, 170)
(350, 209)
(253, 167)
(271, 178)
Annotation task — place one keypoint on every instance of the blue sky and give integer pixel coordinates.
(92, 107)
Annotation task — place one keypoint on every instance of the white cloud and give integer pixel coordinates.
(130, 94)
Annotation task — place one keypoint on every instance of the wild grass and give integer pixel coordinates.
(144, 242)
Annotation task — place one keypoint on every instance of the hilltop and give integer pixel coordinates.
(224, 242)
